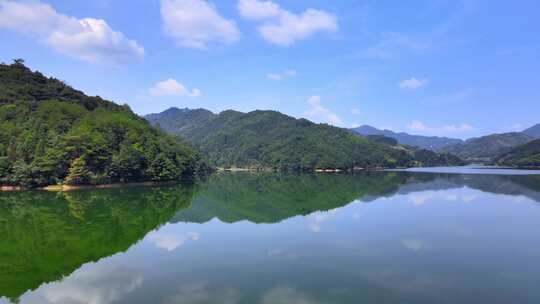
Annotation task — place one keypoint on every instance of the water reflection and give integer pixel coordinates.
(46, 236)
(385, 237)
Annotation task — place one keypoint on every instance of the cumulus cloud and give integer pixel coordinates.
(171, 87)
(420, 127)
(281, 76)
(317, 111)
(196, 24)
(258, 10)
(412, 83)
(284, 28)
(87, 39)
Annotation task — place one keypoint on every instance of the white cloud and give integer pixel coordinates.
(318, 111)
(258, 10)
(290, 73)
(87, 39)
(274, 76)
(355, 111)
(284, 28)
(281, 76)
(171, 87)
(412, 83)
(196, 24)
(420, 127)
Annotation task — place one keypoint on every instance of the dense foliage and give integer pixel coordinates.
(270, 139)
(51, 133)
(527, 155)
(487, 148)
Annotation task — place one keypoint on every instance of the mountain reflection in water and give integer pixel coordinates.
(387, 237)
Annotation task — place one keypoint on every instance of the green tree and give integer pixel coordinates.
(78, 173)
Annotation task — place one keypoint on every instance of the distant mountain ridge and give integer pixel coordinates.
(526, 155)
(489, 147)
(425, 142)
(270, 139)
(533, 131)
(486, 148)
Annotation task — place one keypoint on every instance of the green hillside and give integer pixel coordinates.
(527, 155)
(271, 139)
(51, 133)
(486, 148)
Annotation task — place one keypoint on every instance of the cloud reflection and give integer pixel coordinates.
(287, 295)
(95, 284)
(171, 241)
(415, 245)
(203, 292)
(421, 198)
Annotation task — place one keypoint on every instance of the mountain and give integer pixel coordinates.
(270, 139)
(176, 120)
(527, 155)
(486, 148)
(424, 142)
(51, 133)
(533, 131)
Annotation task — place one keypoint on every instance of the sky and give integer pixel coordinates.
(457, 68)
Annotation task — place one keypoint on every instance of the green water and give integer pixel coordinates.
(385, 237)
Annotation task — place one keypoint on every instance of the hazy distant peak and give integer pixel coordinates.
(425, 142)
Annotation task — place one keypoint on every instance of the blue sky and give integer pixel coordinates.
(433, 67)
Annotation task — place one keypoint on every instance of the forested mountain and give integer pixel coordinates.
(487, 148)
(176, 120)
(527, 155)
(270, 139)
(533, 131)
(424, 142)
(51, 133)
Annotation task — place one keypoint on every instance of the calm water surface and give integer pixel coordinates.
(384, 237)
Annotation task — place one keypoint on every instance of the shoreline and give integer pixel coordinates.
(62, 188)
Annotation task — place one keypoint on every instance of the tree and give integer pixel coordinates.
(127, 165)
(18, 61)
(78, 173)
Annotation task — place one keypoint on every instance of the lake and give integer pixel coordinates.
(378, 237)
